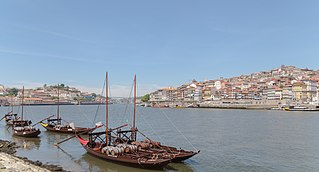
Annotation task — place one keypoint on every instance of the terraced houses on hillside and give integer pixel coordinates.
(287, 84)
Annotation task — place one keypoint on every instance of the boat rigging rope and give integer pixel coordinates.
(129, 98)
(179, 130)
(123, 118)
(83, 114)
(98, 107)
(18, 110)
(145, 121)
(153, 132)
(29, 107)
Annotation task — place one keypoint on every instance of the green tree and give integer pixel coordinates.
(145, 98)
(13, 92)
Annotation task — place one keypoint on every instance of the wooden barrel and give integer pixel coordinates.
(103, 150)
(130, 148)
(110, 149)
(122, 149)
(117, 151)
(143, 145)
(152, 143)
(134, 147)
(113, 151)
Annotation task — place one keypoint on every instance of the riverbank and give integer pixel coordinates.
(232, 104)
(10, 162)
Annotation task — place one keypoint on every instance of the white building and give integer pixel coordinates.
(311, 90)
(218, 85)
(2, 90)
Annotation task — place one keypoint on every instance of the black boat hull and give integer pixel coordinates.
(29, 134)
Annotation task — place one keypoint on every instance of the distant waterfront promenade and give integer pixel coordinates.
(230, 104)
(227, 104)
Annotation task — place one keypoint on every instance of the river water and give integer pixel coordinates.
(229, 140)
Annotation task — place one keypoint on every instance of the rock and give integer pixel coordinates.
(12, 170)
(2, 167)
(10, 148)
(7, 147)
(24, 158)
(57, 169)
(38, 163)
(53, 167)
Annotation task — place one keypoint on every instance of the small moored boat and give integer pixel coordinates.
(23, 127)
(56, 125)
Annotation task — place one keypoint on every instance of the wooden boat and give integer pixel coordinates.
(23, 127)
(129, 136)
(53, 126)
(104, 146)
(56, 125)
(300, 108)
(10, 116)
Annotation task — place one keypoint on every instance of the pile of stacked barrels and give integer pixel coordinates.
(112, 151)
(119, 149)
(142, 145)
(130, 148)
(152, 143)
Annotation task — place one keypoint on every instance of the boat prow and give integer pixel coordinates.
(184, 155)
(177, 155)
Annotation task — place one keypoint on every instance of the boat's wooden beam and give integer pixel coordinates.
(126, 131)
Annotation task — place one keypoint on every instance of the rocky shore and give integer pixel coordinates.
(9, 162)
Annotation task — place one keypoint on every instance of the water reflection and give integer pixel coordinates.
(27, 143)
(66, 153)
(7, 131)
(53, 137)
(96, 164)
(179, 167)
(230, 140)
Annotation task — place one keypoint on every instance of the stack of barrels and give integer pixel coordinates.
(119, 149)
(130, 148)
(112, 151)
(141, 145)
(152, 143)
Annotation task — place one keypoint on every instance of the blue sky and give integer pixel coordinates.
(165, 42)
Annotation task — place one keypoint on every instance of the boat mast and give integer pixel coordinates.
(133, 129)
(22, 103)
(11, 104)
(58, 110)
(107, 109)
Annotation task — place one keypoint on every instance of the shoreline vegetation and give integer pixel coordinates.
(11, 162)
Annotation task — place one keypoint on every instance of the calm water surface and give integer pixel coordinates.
(229, 140)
